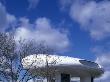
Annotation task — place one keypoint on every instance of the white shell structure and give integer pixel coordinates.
(64, 64)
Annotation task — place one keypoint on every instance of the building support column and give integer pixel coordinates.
(86, 79)
(62, 78)
(58, 78)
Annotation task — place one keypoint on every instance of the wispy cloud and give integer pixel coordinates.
(102, 53)
(92, 16)
(6, 20)
(103, 60)
(33, 4)
(65, 4)
(3, 18)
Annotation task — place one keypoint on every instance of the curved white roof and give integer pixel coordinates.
(40, 60)
(59, 61)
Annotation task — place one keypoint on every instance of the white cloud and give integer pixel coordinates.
(104, 78)
(93, 16)
(105, 62)
(3, 18)
(42, 30)
(11, 18)
(65, 3)
(103, 58)
(33, 3)
(6, 20)
(11, 22)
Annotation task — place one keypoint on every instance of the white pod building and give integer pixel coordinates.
(65, 67)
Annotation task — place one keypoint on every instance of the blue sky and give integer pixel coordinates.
(77, 28)
(80, 46)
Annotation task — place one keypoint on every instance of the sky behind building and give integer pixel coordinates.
(77, 28)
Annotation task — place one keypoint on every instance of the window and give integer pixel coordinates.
(75, 79)
(65, 77)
